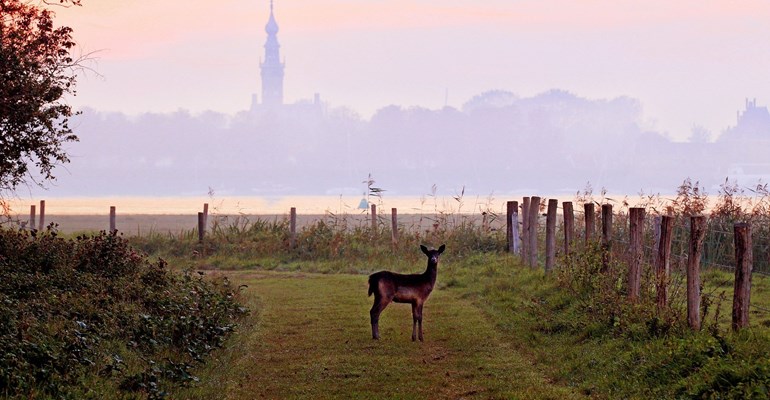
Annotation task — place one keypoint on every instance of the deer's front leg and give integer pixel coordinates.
(414, 323)
(419, 320)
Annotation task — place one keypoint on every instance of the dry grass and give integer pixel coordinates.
(143, 224)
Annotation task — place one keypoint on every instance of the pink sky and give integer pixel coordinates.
(689, 62)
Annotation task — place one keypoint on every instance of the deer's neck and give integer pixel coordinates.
(431, 272)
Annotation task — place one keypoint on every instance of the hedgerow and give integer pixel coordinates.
(92, 317)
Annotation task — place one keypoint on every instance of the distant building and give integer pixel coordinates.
(272, 74)
(272, 67)
(742, 150)
(752, 124)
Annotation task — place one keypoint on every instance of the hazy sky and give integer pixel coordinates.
(689, 62)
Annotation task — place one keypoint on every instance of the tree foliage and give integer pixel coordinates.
(37, 70)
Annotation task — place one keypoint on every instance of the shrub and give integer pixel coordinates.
(72, 310)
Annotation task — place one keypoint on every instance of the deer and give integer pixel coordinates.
(414, 289)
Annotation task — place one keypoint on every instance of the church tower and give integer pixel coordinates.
(272, 67)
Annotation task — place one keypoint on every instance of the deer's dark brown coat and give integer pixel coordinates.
(413, 289)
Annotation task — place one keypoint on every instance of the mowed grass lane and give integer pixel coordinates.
(311, 338)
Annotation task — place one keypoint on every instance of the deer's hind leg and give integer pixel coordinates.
(380, 303)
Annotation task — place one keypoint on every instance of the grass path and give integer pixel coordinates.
(310, 338)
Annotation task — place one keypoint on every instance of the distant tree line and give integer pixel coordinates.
(496, 142)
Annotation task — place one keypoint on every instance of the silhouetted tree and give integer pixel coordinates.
(36, 71)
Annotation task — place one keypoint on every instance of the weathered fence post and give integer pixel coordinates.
(606, 235)
(534, 214)
(656, 237)
(32, 217)
(394, 225)
(744, 263)
(550, 235)
(569, 226)
(112, 219)
(201, 229)
(42, 216)
(662, 269)
(525, 230)
(509, 226)
(512, 234)
(374, 219)
(590, 218)
(697, 233)
(205, 216)
(515, 233)
(636, 251)
(607, 225)
(293, 227)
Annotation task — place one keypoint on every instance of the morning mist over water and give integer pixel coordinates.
(554, 143)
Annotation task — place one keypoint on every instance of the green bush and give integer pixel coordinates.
(92, 316)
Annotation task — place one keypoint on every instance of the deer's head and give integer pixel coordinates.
(433, 255)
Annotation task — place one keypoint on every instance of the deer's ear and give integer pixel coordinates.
(441, 249)
(424, 249)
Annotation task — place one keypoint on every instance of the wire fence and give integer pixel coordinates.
(718, 246)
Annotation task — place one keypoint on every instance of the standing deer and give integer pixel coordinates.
(414, 289)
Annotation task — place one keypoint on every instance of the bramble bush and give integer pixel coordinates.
(92, 317)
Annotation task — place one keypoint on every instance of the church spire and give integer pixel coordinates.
(272, 67)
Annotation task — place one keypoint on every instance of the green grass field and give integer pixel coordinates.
(311, 338)
(494, 328)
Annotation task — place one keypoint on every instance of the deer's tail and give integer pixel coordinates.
(372, 283)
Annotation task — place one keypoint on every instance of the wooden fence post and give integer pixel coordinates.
(550, 234)
(394, 225)
(534, 214)
(201, 229)
(515, 230)
(636, 251)
(606, 235)
(513, 227)
(42, 216)
(590, 218)
(293, 227)
(569, 225)
(525, 230)
(205, 216)
(32, 217)
(656, 238)
(744, 263)
(664, 255)
(112, 219)
(607, 225)
(697, 233)
(509, 226)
